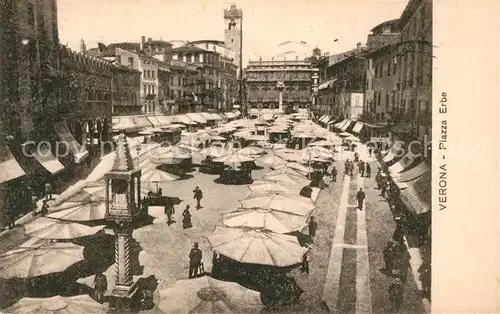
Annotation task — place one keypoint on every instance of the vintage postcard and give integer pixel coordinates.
(248, 156)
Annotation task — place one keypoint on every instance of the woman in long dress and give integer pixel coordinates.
(186, 218)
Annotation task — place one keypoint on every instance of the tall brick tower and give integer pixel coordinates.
(233, 22)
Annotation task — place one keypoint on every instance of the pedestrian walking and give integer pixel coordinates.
(370, 151)
(195, 257)
(388, 254)
(186, 218)
(305, 263)
(346, 166)
(368, 170)
(396, 295)
(169, 211)
(361, 168)
(45, 208)
(198, 195)
(48, 191)
(351, 167)
(313, 226)
(356, 157)
(334, 174)
(100, 286)
(401, 262)
(425, 277)
(360, 196)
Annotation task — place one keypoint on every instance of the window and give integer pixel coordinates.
(376, 68)
(389, 67)
(31, 14)
(145, 89)
(387, 100)
(131, 61)
(153, 89)
(153, 74)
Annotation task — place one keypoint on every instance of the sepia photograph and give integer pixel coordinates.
(218, 156)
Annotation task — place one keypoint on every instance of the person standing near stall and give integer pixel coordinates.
(313, 226)
(195, 257)
(198, 195)
(396, 295)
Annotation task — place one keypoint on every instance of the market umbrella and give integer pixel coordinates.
(152, 174)
(50, 228)
(323, 143)
(286, 170)
(270, 160)
(298, 167)
(288, 154)
(251, 151)
(217, 138)
(290, 203)
(208, 295)
(168, 155)
(269, 186)
(345, 134)
(233, 159)
(58, 305)
(216, 151)
(42, 258)
(287, 178)
(272, 220)
(256, 246)
(80, 211)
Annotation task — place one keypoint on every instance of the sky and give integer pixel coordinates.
(266, 23)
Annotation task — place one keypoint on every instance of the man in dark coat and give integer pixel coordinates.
(100, 286)
(396, 295)
(360, 196)
(198, 195)
(361, 168)
(368, 170)
(45, 208)
(313, 226)
(334, 174)
(195, 257)
(389, 257)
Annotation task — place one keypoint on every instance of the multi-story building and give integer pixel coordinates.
(126, 85)
(228, 84)
(342, 83)
(183, 88)
(414, 70)
(263, 77)
(208, 63)
(380, 89)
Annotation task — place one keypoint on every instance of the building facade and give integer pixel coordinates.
(233, 34)
(263, 77)
(125, 86)
(414, 71)
(183, 88)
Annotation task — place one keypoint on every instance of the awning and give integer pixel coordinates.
(327, 84)
(346, 125)
(417, 197)
(142, 122)
(45, 157)
(155, 121)
(196, 117)
(357, 127)
(215, 116)
(165, 120)
(150, 97)
(412, 173)
(78, 151)
(321, 118)
(207, 116)
(230, 115)
(393, 153)
(183, 119)
(9, 167)
(123, 124)
(325, 119)
(403, 163)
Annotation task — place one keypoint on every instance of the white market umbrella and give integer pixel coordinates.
(80, 211)
(50, 228)
(257, 247)
(58, 305)
(273, 187)
(287, 178)
(216, 151)
(323, 143)
(270, 160)
(289, 203)
(233, 159)
(298, 167)
(152, 174)
(286, 170)
(208, 295)
(272, 220)
(33, 260)
(251, 151)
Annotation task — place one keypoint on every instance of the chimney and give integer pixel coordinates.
(358, 46)
(143, 41)
(83, 48)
